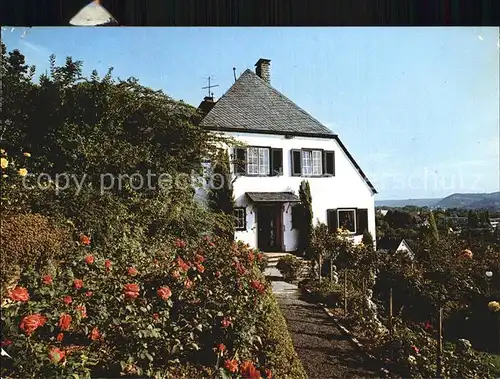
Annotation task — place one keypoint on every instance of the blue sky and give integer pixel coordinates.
(418, 108)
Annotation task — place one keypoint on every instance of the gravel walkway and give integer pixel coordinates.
(323, 349)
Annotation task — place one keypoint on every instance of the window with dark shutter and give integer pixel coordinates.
(361, 221)
(276, 162)
(296, 159)
(297, 215)
(329, 163)
(331, 218)
(240, 162)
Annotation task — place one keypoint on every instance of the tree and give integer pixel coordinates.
(306, 223)
(367, 239)
(433, 227)
(221, 195)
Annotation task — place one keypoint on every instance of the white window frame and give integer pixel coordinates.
(317, 162)
(312, 162)
(240, 216)
(353, 210)
(258, 161)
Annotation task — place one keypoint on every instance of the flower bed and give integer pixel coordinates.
(193, 307)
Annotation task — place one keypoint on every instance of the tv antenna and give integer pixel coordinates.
(209, 87)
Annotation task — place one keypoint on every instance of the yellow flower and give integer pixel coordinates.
(27, 154)
(5, 176)
(2, 151)
(4, 162)
(23, 172)
(494, 306)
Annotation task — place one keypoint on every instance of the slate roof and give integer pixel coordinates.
(252, 104)
(272, 197)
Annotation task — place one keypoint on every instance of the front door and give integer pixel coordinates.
(270, 228)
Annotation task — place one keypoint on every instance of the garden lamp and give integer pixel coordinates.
(489, 275)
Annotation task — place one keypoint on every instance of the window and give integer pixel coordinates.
(347, 219)
(258, 161)
(308, 162)
(240, 216)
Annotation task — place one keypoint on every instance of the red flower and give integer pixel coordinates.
(78, 283)
(88, 293)
(183, 266)
(218, 274)
(83, 310)
(65, 321)
(56, 355)
(231, 365)
(67, 299)
(164, 293)
(60, 337)
(415, 349)
(200, 267)
(226, 322)
(47, 279)
(30, 323)
(175, 274)
(240, 268)
(221, 348)
(131, 290)
(199, 258)
(269, 374)
(6, 343)
(132, 271)
(89, 259)
(85, 240)
(94, 334)
(248, 370)
(260, 257)
(156, 316)
(428, 326)
(19, 294)
(188, 283)
(107, 264)
(258, 286)
(180, 243)
(251, 256)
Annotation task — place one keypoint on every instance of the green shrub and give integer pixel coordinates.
(290, 267)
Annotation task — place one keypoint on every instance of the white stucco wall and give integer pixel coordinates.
(346, 189)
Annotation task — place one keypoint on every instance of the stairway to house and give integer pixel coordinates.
(272, 261)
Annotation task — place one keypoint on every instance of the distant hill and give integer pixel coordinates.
(489, 201)
(402, 203)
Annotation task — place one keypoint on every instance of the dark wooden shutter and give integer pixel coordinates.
(361, 221)
(276, 162)
(329, 162)
(331, 215)
(296, 160)
(297, 215)
(240, 164)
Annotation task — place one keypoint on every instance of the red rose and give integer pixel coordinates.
(415, 349)
(260, 257)
(180, 243)
(248, 370)
(221, 347)
(30, 323)
(240, 268)
(107, 264)
(269, 374)
(156, 316)
(67, 299)
(19, 294)
(6, 343)
(89, 259)
(47, 279)
(183, 266)
(78, 283)
(164, 293)
(132, 271)
(94, 334)
(200, 267)
(60, 337)
(175, 274)
(82, 309)
(258, 286)
(188, 283)
(88, 293)
(56, 355)
(65, 321)
(218, 274)
(199, 258)
(85, 240)
(226, 322)
(131, 290)
(231, 365)
(251, 257)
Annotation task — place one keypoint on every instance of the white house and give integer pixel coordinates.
(283, 146)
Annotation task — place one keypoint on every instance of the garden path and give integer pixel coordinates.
(324, 350)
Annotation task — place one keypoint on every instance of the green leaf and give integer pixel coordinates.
(199, 327)
(149, 356)
(224, 373)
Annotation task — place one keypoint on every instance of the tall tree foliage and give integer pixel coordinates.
(221, 195)
(433, 227)
(306, 224)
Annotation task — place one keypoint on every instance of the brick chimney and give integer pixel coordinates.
(262, 69)
(207, 104)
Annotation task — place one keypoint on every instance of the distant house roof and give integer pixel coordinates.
(394, 245)
(272, 197)
(252, 106)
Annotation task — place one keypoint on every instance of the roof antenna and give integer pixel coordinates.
(209, 87)
(234, 73)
